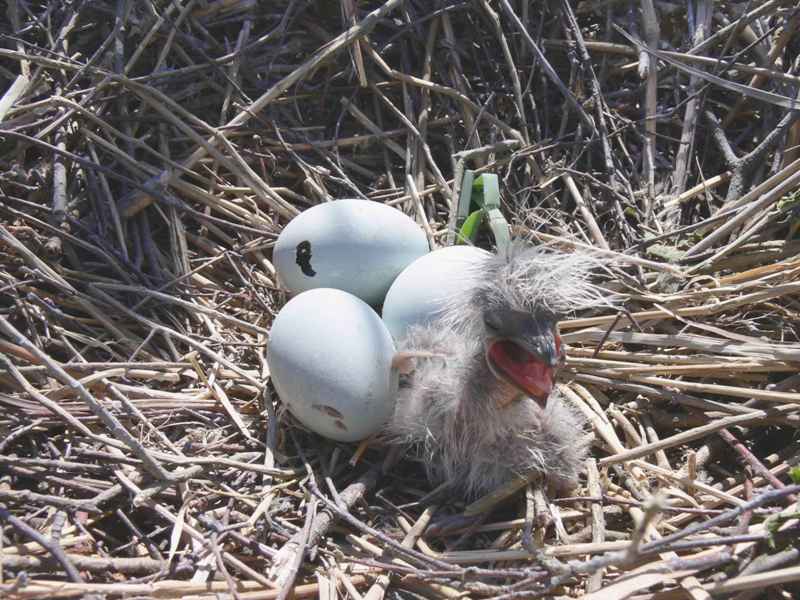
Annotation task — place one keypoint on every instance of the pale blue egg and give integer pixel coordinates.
(358, 246)
(423, 289)
(330, 359)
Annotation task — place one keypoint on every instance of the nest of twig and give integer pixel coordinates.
(151, 152)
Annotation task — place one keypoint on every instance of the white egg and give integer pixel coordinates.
(330, 359)
(422, 290)
(358, 246)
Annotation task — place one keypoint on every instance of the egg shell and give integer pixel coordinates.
(330, 359)
(422, 290)
(358, 246)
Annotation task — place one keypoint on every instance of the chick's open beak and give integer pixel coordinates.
(528, 364)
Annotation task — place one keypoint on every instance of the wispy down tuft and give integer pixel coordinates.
(534, 279)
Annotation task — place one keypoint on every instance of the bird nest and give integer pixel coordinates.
(151, 152)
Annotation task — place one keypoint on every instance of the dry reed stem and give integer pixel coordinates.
(150, 155)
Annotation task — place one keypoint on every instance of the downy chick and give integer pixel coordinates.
(479, 406)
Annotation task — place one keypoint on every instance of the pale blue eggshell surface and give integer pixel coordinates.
(358, 246)
(330, 359)
(423, 289)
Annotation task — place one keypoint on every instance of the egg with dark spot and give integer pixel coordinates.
(358, 246)
(330, 360)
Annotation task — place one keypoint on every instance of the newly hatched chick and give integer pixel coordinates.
(480, 408)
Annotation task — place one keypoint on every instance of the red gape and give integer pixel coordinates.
(526, 371)
(562, 357)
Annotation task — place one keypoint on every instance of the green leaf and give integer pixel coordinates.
(469, 230)
(491, 190)
(794, 473)
(465, 196)
(789, 202)
(477, 193)
(499, 227)
(772, 525)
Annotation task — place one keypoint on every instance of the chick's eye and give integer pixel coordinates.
(491, 320)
